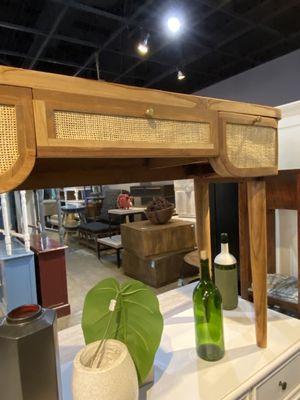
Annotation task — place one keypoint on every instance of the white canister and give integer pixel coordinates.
(115, 379)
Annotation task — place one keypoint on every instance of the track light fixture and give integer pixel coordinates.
(180, 75)
(143, 46)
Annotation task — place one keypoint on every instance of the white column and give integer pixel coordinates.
(6, 223)
(25, 220)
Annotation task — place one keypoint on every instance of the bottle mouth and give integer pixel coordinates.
(224, 238)
(23, 314)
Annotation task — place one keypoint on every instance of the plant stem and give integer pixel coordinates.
(102, 342)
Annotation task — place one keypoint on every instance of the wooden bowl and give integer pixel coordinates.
(161, 216)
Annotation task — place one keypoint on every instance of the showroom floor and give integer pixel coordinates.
(84, 270)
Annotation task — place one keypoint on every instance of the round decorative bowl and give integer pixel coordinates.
(115, 379)
(160, 216)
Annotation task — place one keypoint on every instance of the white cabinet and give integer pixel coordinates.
(282, 383)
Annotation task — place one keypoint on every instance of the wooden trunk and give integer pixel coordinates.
(158, 270)
(145, 239)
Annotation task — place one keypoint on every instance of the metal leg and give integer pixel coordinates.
(98, 250)
(109, 229)
(119, 258)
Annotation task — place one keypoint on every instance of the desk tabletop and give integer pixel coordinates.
(179, 373)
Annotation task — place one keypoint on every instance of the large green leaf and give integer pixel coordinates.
(136, 320)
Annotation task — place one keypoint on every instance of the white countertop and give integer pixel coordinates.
(179, 373)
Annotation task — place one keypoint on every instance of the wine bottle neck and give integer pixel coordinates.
(224, 248)
(205, 270)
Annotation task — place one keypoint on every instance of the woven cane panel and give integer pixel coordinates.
(114, 129)
(250, 146)
(8, 137)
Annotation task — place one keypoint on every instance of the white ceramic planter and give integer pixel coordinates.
(116, 379)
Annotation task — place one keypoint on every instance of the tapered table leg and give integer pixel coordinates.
(202, 216)
(256, 193)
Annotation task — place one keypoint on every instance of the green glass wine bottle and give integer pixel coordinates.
(208, 316)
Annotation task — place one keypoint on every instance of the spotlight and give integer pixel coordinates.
(180, 75)
(142, 46)
(174, 24)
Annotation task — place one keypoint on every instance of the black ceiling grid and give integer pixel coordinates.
(219, 39)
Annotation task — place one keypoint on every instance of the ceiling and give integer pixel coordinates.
(220, 38)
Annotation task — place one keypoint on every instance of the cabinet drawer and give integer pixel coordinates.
(281, 383)
(124, 128)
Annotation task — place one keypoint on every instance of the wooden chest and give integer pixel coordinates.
(145, 239)
(157, 270)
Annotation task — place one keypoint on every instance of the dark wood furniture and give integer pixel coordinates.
(50, 265)
(282, 192)
(91, 231)
(154, 253)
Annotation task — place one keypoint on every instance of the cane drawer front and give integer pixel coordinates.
(122, 128)
(282, 383)
(17, 137)
(248, 145)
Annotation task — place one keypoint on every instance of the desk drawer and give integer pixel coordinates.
(281, 383)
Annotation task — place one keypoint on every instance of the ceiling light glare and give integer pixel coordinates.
(142, 46)
(174, 24)
(180, 75)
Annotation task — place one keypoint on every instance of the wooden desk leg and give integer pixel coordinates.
(202, 217)
(256, 192)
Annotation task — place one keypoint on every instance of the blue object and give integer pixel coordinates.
(17, 277)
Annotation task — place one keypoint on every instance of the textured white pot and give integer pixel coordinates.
(116, 379)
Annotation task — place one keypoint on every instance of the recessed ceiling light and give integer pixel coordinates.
(142, 46)
(174, 24)
(180, 75)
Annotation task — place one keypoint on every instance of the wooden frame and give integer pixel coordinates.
(21, 99)
(282, 192)
(48, 145)
(222, 163)
(78, 162)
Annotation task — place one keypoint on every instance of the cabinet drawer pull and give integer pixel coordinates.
(283, 385)
(149, 112)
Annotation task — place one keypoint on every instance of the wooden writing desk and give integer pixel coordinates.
(62, 131)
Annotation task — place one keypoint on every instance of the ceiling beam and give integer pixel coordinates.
(55, 25)
(113, 36)
(68, 39)
(167, 42)
(93, 10)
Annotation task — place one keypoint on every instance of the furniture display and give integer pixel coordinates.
(246, 372)
(51, 276)
(17, 277)
(154, 253)
(91, 231)
(283, 192)
(126, 214)
(111, 242)
(192, 258)
(144, 193)
(107, 224)
(73, 215)
(51, 123)
(93, 205)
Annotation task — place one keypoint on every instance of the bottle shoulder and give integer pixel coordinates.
(225, 259)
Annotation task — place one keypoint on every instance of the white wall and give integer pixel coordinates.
(273, 83)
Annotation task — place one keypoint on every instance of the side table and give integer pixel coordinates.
(51, 276)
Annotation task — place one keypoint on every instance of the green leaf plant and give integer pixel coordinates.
(128, 312)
